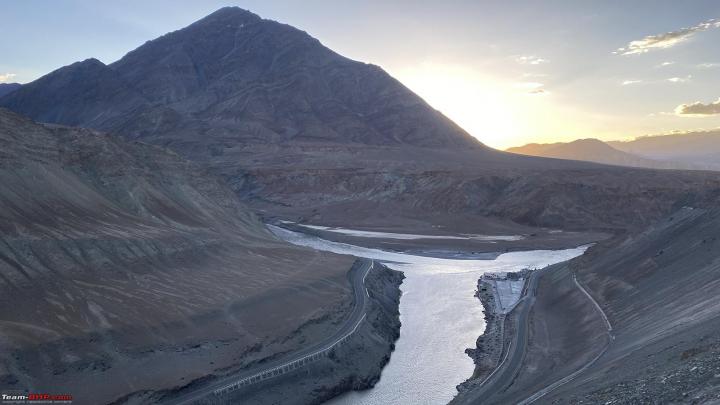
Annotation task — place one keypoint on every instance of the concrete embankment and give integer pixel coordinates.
(355, 365)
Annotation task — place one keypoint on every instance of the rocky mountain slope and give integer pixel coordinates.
(300, 131)
(658, 290)
(125, 268)
(594, 150)
(7, 88)
(234, 78)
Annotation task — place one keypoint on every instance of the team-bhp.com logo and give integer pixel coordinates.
(32, 398)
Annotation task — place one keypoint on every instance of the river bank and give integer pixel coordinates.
(498, 304)
(488, 350)
(448, 243)
(356, 365)
(440, 316)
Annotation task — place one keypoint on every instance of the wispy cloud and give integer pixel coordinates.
(6, 77)
(676, 79)
(708, 65)
(666, 40)
(679, 79)
(698, 109)
(530, 60)
(664, 64)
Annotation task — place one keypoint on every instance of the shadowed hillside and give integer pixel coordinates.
(658, 290)
(7, 88)
(234, 78)
(125, 268)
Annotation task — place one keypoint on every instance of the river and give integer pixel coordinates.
(440, 316)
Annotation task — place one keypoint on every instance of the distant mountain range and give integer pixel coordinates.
(696, 148)
(699, 151)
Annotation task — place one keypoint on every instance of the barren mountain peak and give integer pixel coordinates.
(232, 78)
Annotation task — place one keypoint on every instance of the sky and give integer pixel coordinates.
(509, 72)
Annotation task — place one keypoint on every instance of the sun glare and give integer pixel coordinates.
(479, 105)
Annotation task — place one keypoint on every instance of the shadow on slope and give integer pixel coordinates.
(124, 267)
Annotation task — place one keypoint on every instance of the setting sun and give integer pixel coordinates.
(479, 105)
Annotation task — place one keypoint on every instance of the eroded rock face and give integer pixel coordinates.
(124, 268)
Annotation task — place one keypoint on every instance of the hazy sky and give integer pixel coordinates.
(509, 72)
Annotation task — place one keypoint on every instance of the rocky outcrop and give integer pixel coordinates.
(488, 351)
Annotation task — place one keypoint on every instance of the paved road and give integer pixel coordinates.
(541, 393)
(361, 295)
(514, 354)
(507, 371)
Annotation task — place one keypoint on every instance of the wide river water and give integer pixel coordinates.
(440, 316)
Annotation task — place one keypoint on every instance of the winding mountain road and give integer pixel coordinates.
(587, 365)
(505, 373)
(357, 275)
